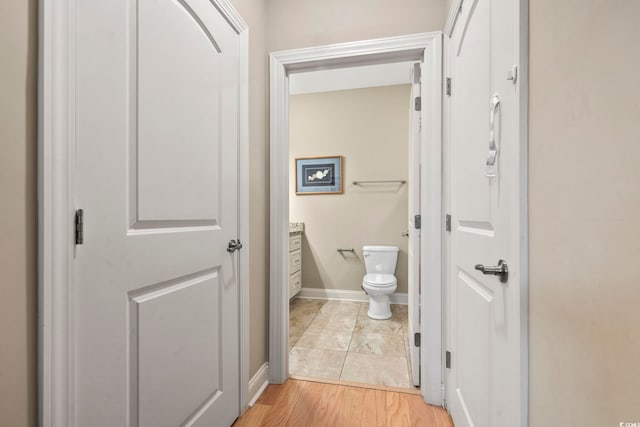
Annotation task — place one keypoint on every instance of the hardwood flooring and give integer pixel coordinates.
(309, 404)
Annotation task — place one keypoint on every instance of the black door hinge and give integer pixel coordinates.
(447, 360)
(79, 227)
(417, 221)
(447, 222)
(448, 86)
(416, 339)
(417, 103)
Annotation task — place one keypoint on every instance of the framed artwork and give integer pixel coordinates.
(319, 175)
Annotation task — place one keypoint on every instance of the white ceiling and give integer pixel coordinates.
(350, 78)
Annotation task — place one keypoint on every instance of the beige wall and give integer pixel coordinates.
(448, 5)
(584, 210)
(303, 23)
(254, 13)
(369, 128)
(18, 109)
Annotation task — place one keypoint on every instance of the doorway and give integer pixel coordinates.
(358, 117)
(425, 48)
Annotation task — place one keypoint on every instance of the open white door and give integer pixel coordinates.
(487, 370)
(156, 291)
(414, 230)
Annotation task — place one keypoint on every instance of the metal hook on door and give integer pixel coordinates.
(491, 168)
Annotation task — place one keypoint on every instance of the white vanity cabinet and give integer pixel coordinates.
(295, 259)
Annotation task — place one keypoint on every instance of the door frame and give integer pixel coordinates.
(523, 176)
(384, 50)
(56, 208)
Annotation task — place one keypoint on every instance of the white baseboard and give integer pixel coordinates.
(258, 383)
(342, 295)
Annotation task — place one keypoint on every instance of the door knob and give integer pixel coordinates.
(234, 246)
(501, 270)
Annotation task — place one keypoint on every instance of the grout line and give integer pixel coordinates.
(349, 346)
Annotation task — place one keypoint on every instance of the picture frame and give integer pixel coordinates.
(319, 175)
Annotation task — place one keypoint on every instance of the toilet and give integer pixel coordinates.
(380, 282)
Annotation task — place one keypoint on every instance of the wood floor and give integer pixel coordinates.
(307, 404)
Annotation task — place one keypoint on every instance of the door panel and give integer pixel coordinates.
(157, 304)
(175, 322)
(485, 313)
(473, 352)
(179, 100)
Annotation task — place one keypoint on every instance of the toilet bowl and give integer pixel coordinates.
(379, 282)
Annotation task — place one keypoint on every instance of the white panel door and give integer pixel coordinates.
(156, 291)
(414, 233)
(485, 384)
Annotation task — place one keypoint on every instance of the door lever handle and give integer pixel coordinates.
(234, 246)
(501, 270)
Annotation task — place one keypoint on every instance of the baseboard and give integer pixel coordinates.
(258, 383)
(343, 295)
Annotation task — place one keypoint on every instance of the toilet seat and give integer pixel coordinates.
(380, 280)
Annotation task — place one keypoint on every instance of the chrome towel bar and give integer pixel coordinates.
(389, 181)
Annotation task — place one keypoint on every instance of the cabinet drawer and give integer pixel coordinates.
(295, 261)
(295, 242)
(295, 283)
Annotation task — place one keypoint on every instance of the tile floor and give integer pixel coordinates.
(337, 340)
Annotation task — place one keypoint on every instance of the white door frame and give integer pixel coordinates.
(393, 49)
(56, 207)
(523, 176)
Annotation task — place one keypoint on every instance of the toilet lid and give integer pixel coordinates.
(380, 279)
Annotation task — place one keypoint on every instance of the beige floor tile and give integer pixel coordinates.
(378, 344)
(405, 325)
(405, 339)
(337, 322)
(364, 307)
(400, 310)
(302, 319)
(298, 305)
(339, 307)
(314, 362)
(321, 332)
(327, 339)
(391, 326)
(295, 332)
(409, 370)
(371, 369)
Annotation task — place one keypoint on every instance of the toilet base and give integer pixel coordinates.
(379, 307)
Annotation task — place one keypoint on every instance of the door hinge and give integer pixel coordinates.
(513, 74)
(447, 360)
(447, 222)
(417, 103)
(417, 73)
(79, 227)
(417, 220)
(448, 86)
(416, 337)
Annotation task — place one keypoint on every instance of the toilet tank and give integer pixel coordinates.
(380, 259)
